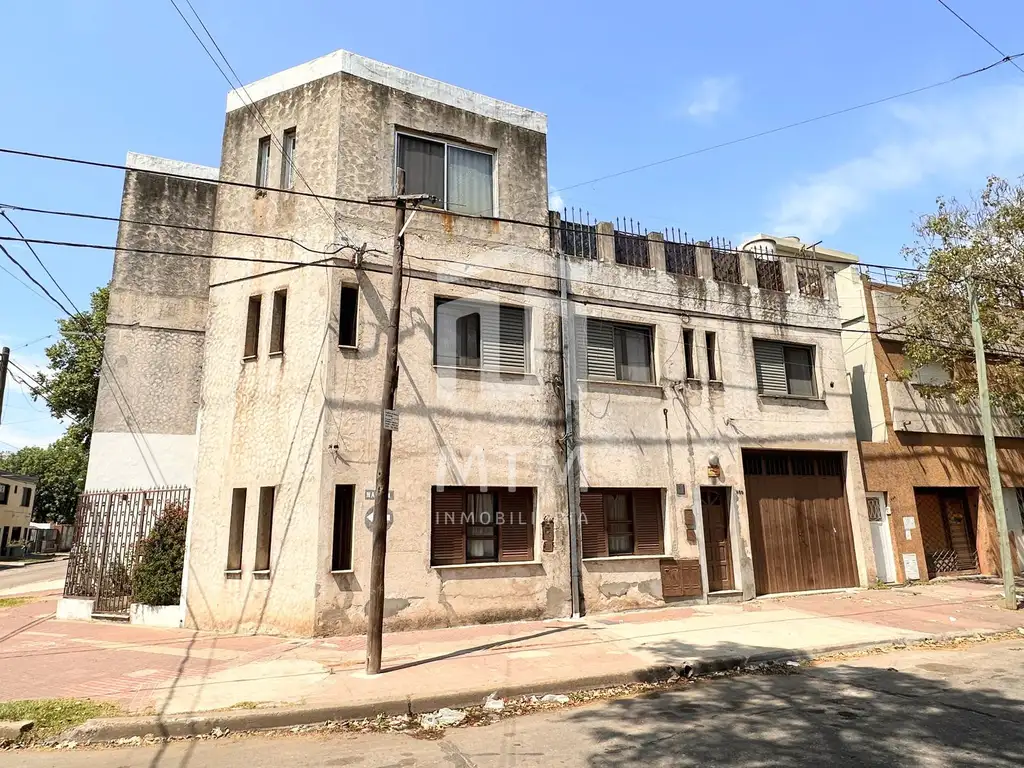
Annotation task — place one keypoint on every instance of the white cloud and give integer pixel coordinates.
(555, 202)
(711, 96)
(955, 142)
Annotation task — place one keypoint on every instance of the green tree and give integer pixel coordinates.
(70, 386)
(157, 577)
(982, 240)
(60, 468)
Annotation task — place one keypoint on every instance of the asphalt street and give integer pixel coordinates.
(951, 707)
(34, 577)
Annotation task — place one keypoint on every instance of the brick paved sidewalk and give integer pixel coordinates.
(172, 671)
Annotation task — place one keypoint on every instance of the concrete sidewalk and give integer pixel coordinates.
(168, 672)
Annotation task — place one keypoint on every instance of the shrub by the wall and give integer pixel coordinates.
(157, 577)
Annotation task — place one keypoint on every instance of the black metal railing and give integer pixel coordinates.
(680, 254)
(631, 246)
(578, 234)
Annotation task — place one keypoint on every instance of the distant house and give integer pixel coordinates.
(17, 494)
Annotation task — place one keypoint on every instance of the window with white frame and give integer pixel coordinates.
(460, 178)
(615, 351)
(480, 335)
(784, 370)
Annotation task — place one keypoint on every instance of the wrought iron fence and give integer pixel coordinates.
(108, 528)
(631, 246)
(680, 254)
(578, 235)
(769, 271)
(808, 279)
(725, 262)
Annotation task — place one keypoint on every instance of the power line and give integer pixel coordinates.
(581, 298)
(29, 274)
(41, 264)
(975, 31)
(788, 126)
(252, 107)
(805, 257)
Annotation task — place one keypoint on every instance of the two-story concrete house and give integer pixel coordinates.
(709, 413)
(17, 495)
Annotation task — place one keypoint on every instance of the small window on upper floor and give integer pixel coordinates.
(252, 328)
(289, 146)
(5, 491)
(691, 370)
(263, 162)
(711, 347)
(616, 351)
(26, 497)
(461, 179)
(784, 370)
(277, 322)
(348, 317)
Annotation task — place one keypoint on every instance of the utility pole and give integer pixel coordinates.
(375, 613)
(991, 457)
(5, 355)
(570, 398)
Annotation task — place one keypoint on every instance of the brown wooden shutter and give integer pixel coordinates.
(515, 534)
(595, 536)
(647, 521)
(447, 529)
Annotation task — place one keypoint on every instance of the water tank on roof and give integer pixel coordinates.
(760, 245)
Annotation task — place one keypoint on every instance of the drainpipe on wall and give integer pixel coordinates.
(570, 396)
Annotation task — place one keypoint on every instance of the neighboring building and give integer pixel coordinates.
(717, 440)
(17, 495)
(924, 459)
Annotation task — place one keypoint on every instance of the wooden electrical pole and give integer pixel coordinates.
(5, 355)
(991, 457)
(388, 423)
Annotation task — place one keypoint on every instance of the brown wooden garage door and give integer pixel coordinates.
(800, 528)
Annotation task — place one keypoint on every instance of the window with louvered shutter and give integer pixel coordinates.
(515, 529)
(595, 536)
(478, 335)
(647, 521)
(770, 364)
(600, 350)
(448, 528)
(784, 369)
(622, 522)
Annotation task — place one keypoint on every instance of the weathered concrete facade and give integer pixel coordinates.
(305, 419)
(145, 428)
(932, 444)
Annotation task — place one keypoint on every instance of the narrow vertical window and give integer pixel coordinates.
(237, 530)
(264, 526)
(711, 343)
(348, 316)
(341, 546)
(688, 353)
(263, 162)
(252, 327)
(277, 322)
(26, 497)
(288, 159)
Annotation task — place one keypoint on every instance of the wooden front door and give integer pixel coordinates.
(717, 546)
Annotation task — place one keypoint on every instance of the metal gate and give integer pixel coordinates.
(108, 528)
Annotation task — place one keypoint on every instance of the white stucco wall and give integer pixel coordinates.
(140, 460)
(859, 353)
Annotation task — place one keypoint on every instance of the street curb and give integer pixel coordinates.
(113, 728)
(11, 730)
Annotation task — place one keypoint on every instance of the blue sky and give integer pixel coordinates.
(622, 85)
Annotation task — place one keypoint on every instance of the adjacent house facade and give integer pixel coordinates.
(929, 504)
(588, 418)
(17, 495)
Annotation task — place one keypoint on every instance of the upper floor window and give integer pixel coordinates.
(461, 179)
(26, 497)
(618, 351)
(5, 492)
(263, 162)
(479, 335)
(289, 146)
(784, 369)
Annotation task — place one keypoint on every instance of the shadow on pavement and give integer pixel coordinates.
(813, 716)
